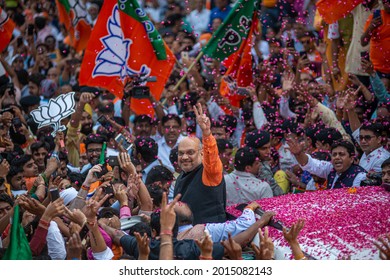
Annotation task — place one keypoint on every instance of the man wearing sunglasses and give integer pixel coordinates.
(370, 140)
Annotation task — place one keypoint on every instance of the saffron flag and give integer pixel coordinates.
(232, 43)
(6, 28)
(333, 10)
(73, 14)
(18, 248)
(239, 66)
(124, 43)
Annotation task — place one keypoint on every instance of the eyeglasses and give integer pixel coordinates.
(91, 151)
(365, 137)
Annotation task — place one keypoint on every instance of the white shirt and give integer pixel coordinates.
(286, 158)
(55, 242)
(322, 169)
(219, 231)
(242, 187)
(373, 161)
(259, 117)
(199, 21)
(164, 151)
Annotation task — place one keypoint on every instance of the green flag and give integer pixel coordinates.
(134, 10)
(19, 248)
(233, 31)
(102, 158)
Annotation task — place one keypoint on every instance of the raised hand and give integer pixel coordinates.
(383, 244)
(205, 245)
(143, 246)
(91, 177)
(120, 193)
(233, 249)
(367, 66)
(202, 120)
(266, 250)
(93, 205)
(4, 168)
(126, 164)
(168, 215)
(54, 209)
(296, 147)
(288, 81)
(31, 205)
(76, 216)
(291, 235)
(74, 247)
(267, 217)
(86, 97)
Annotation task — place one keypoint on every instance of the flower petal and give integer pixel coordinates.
(55, 109)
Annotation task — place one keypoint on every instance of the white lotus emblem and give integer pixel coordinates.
(112, 59)
(56, 110)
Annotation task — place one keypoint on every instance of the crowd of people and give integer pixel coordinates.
(315, 118)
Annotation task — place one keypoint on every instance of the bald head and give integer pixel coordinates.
(183, 213)
(189, 154)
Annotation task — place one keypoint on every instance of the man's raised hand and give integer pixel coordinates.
(202, 120)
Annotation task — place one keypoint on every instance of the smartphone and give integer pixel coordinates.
(101, 173)
(377, 13)
(113, 161)
(104, 122)
(30, 29)
(83, 233)
(185, 55)
(109, 189)
(140, 92)
(54, 194)
(243, 91)
(17, 123)
(365, 55)
(52, 56)
(120, 139)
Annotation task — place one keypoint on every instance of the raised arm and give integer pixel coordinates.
(213, 169)
(291, 236)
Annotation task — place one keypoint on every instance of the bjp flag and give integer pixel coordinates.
(333, 10)
(125, 43)
(73, 14)
(239, 66)
(6, 28)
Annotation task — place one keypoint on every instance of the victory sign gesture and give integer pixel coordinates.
(202, 120)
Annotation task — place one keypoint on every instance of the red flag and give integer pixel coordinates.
(121, 45)
(239, 66)
(6, 28)
(333, 10)
(73, 14)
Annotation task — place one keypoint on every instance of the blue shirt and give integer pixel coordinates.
(217, 13)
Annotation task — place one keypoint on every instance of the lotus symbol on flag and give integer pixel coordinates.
(112, 59)
(56, 110)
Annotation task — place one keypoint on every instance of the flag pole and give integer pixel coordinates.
(185, 74)
(188, 70)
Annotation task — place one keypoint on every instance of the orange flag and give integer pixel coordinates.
(73, 14)
(239, 66)
(124, 42)
(333, 10)
(6, 28)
